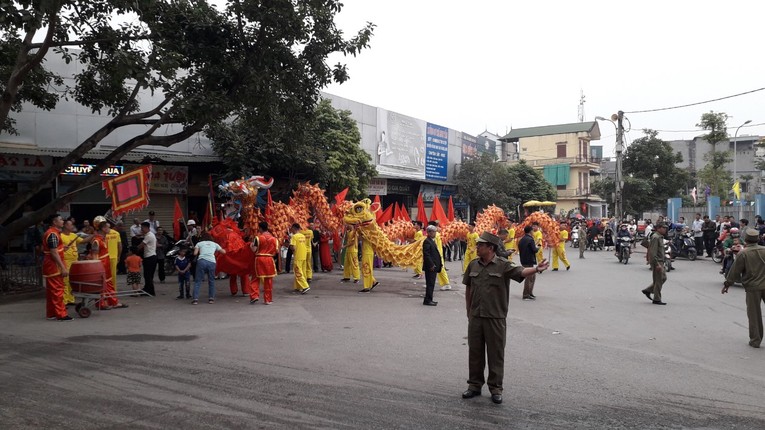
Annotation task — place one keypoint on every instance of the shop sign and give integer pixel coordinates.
(23, 167)
(402, 188)
(437, 152)
(169, 179)
(378, 187)
(84, 169)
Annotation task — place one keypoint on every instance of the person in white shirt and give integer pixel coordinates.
(153, 222)
(135, 229)
(698, 235)
(149, 247)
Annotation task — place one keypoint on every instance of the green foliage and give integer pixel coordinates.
(716, 124)
(484, 181)
(650, 161)
(155, 63)
(328, 150)
(638, 194)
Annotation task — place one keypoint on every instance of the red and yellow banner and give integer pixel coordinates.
(130, 191)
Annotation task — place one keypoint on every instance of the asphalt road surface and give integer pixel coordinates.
(591, 352)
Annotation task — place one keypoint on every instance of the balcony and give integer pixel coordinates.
(578, 193)
(578, 161)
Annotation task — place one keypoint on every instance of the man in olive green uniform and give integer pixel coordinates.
(487, 293)
(656, 262)
(749, 269)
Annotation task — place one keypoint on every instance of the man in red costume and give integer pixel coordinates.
(54, 271)
(264, 246)
(100, 251)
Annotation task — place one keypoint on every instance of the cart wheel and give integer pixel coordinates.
(84, 312)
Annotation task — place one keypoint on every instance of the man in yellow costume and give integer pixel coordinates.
(512, 243)
(443, 277)
(537, 235)
(418, 236)
(114, 244)
(367, 266)
(298, 245)
(470, 250)
(308, 233)
(70, 240)
(559, 252)
(351, 260)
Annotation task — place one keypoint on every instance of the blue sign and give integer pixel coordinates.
(436, 152)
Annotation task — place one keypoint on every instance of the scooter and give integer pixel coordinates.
(595, 243)
(625, 249)
(668, 255)
(575, 239)
(683, 245)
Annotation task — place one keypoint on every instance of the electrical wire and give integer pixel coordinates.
(701, 130)
(697, 103)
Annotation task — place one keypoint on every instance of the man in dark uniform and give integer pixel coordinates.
(528, 250)
(431, 264)
(749, 269)
(487, 293)
(656, 263)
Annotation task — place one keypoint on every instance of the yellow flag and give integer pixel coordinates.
(737, 189)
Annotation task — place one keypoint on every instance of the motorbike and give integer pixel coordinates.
(684, 245)
(624, 249)
(575, 239)
(717, 252)
(595, 243)
(173, 252)
(668, 255)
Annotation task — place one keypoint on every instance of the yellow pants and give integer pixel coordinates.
(540, 255)
(443, 278)
(68, 297)
(469, 256)
(351, 264)
(113, 266)
(559, 252)
(309, 265)
(367, 270)
(298, 268)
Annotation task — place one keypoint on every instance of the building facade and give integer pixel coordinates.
(563, 153)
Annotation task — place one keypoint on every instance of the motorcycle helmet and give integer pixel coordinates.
(734, 232)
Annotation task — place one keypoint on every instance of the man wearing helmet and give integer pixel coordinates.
(623, 232)
(731, 246)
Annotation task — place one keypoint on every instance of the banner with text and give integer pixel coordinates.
(169, 179)
(400, 145)
(437, 152)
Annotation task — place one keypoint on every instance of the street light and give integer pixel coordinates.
(735, 175)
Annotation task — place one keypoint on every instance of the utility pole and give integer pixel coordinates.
(619, 182)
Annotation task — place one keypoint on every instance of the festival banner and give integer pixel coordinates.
(437, 152)
(130, 191)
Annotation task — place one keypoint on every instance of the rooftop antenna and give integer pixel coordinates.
(581, 105)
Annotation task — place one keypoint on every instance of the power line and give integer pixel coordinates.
(698, 130)
(697, 103)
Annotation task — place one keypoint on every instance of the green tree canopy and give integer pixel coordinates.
(716, 124)
(265, 60)
(327, 151)
(484, 181)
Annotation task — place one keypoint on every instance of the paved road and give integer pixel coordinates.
(591, 352)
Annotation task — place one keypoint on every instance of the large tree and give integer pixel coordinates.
(714, 172)
(484, 181)
(651, 161)
(328, 151)
(265, 58)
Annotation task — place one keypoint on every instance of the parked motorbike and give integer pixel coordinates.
(668, 255)
(717, 252)
(624, 249)
(683, 245)
(170, 255)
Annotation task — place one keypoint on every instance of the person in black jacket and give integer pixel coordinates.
(431, 264)
(528, 251)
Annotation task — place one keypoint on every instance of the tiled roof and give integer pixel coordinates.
(99, 154)
(547, 130)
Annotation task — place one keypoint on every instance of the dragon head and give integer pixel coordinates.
(360, 213)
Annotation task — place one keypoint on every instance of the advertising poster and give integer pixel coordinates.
(437, 152)
(400, 145)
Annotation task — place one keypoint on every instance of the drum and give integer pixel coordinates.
(87, 276)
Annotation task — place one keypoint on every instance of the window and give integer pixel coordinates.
(561, 149)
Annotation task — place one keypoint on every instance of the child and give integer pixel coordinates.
(133, 265)
(183, 266)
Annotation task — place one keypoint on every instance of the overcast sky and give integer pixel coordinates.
(495, 65)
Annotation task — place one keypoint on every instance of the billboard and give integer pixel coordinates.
(437, 152)
(473, 147)
(400, 145)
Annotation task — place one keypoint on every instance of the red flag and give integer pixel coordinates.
(397, 211)
(450, 214)
(405, 213)
(269, 206)
(177, 220)
(421, 216)
(377, 208)
(209, 215)
(437, 214)
(386, 216)
(341, 196)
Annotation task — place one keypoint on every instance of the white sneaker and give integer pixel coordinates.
(446, 287)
